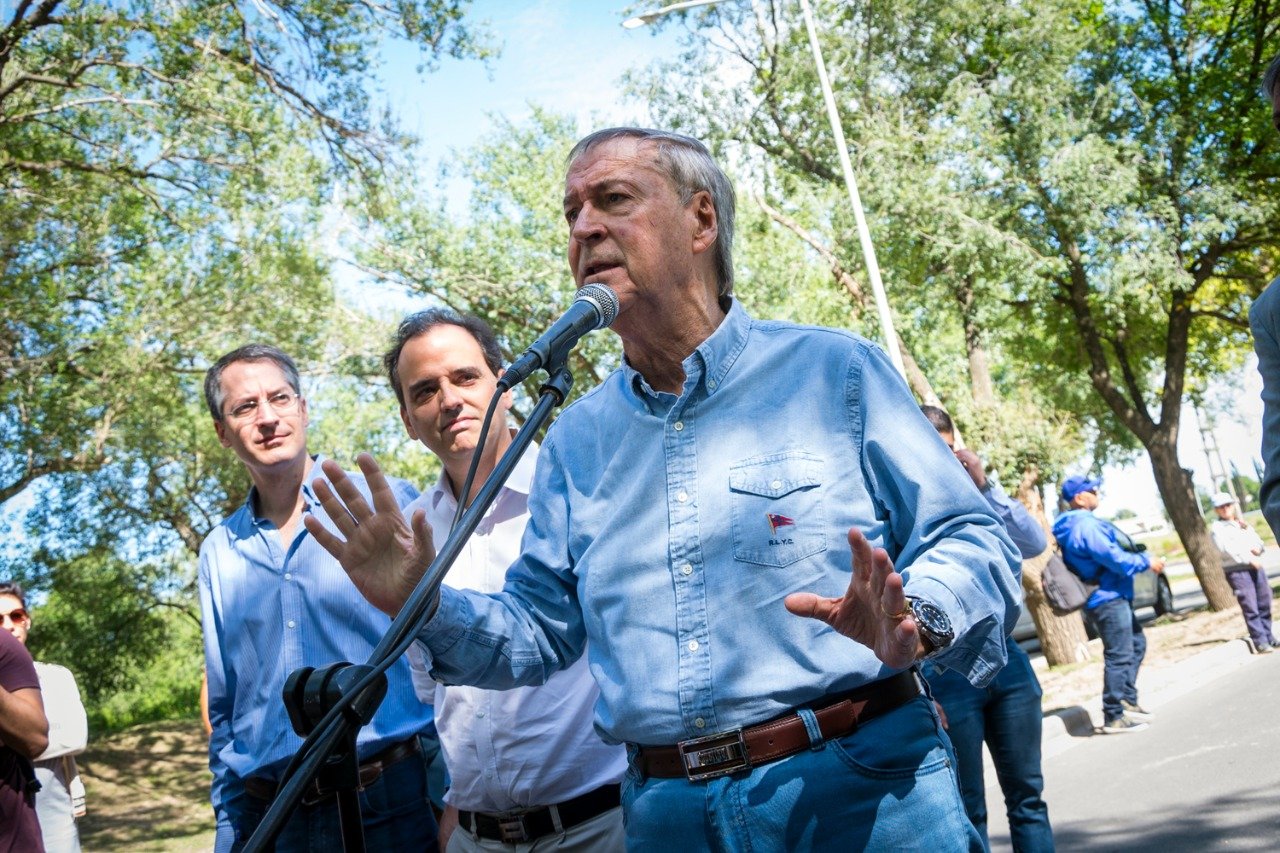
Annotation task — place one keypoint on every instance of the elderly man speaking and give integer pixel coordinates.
(753, 531)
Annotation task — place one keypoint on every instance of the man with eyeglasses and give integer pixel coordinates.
(1090, 549)
(273, 601)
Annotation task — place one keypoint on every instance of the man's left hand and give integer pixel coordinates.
(873, 611)
(973, 465)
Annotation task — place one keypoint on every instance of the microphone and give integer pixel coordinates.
(595, 306)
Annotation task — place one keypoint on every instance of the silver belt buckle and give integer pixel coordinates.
(513, 829)
(715, 755)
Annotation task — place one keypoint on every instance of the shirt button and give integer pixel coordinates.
(699, 723)
(776, 484)
(292, 624)
(480, 714)
(678, 425)
(686, 569)
(693, 645)
(288, 576)
(711, 383)
(682, 496)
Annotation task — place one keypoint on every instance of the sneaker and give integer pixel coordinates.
(1135, 711)
(1264, 650)
(1123, 725)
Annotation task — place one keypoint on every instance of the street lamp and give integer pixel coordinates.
(846, 166)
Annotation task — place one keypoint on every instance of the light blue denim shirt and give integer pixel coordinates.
(667, 531)
(268, 610)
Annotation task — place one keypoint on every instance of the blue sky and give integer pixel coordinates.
(564, 54)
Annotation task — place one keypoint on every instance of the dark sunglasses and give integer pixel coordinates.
(17, 617)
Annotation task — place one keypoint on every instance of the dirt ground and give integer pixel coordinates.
(148, 786)
(148, 789)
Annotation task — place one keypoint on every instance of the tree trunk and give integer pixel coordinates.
(1179, 498)
(1062, 638)
(980, 383)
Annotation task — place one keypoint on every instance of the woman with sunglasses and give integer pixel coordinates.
(61, 797)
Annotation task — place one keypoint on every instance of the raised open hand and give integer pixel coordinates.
(384, 554)
(873, 609)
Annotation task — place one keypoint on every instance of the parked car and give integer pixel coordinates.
(1150, 589)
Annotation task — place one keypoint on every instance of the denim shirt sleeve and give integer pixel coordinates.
(948, 544)
(531, 629)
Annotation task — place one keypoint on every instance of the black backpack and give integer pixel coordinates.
(1065, 591)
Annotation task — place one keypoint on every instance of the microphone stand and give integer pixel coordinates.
(329, 705)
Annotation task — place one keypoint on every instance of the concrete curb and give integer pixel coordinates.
(1157, 686)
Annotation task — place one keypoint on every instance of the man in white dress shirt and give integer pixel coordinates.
(524, 764)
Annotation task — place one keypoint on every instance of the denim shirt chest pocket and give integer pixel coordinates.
(777, 510)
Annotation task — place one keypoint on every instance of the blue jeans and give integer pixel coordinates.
(1008, 716)
(395, 811)
(890, 785)
(1123, 648)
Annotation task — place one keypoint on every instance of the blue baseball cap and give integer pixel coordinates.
(1077, 483)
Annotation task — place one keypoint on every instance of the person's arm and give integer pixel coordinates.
(1111, 556)
(448, 823)
(535, 623)
(1233, 543)
(1027, 534)
(949, 548)
(23, 725)
(1264, 317)
(220, 686)
(204, 703)
(68, 723)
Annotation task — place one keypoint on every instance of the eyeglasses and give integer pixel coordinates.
(17, 617)
(281, 402)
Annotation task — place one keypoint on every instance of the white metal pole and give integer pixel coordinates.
(864, 234)
(846, 166)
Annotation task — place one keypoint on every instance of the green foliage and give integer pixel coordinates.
(167, 687)
(125, 630)
(164, 172)
(505, 262)
(1072, 202)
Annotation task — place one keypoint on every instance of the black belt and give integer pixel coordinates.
(519, 827)
(740, 749)
(263, 788)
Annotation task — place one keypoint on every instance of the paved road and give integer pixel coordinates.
(1203, 777)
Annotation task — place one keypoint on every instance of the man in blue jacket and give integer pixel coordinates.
(1090, 549)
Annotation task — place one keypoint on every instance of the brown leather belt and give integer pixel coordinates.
(262, 788)
(520, 827)
(740, 749)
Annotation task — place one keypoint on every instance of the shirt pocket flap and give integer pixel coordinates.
(776, 475)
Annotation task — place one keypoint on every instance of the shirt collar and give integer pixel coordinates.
(713, 358)
(308, 494)
(521, 480)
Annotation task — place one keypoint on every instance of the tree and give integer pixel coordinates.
(1093, 182)
(505, 260)
(951, 275)
(147, 152)
(164, 171)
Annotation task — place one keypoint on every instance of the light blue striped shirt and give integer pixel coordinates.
(268, 611)
(667, 530)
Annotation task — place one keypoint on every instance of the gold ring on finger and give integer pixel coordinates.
(902, 614)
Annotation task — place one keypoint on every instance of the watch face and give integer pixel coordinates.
(931, 616)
